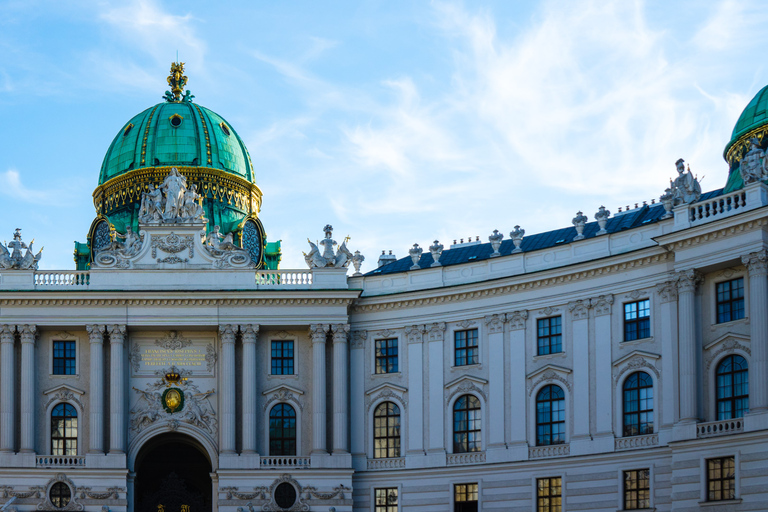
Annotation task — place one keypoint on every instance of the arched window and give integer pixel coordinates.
(386, 431)
(467, 435)
(638, 404)
(732, 388)
(64, 430)
(282, 430)
(550, 416)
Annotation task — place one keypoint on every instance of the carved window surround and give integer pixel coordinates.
(549, 374)
(466, 385)
(636, 360)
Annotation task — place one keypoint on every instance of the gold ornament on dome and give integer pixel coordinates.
(177, 80)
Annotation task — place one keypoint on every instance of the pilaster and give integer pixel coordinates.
(228, 397)
(518, 404)
(435, 334)
(602, 306)
(340, 388)
(250, 333)
(117, 389)
(581, 408)
(357, 398)
(319, 334)
(668, 338)
(757, 265)
(7, 389)
(416, 383)
(28, 395)
(496, 371)
(96, 402)
(690, 354)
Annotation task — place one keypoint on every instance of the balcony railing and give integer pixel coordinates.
(630, 443)
(60, 461)
(718, 206)
(554, 450)
(285, 462)
(283, 277)
(458, 459)
(62, 278)
(394, 463)
(719, 428)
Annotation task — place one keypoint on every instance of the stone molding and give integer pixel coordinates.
(714, 235)
(579, 309)
(283, 393)
(73, 504)
(358, 339)
(175, 302)
(64, 393)
(414, 333)
(728, 344)
(516, 319)
(384, 333)
(756, 263)
(7, 333)
(466, 324)
(465, 385)
(549, 374)
(667, 291)
(495, 323)
(602, 304)
(387, 391)
(435, 331)
(635, 361)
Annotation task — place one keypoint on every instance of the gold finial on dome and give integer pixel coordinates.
(177, 80)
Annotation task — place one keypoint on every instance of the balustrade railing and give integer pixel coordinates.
(457, 459)
(719, 428)
(62, 278)
(629, 443)
(283, 277)
(555, 450)
(285, 462)
(60, 461)
(718, 206)
(393, 463)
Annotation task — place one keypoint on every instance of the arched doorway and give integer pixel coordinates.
(173, 474)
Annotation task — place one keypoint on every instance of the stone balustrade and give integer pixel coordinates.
(394, 463)
(554, 450)
(718, 207)
(633, 442)
(719, 428)
(60, 461)
(283, 278)
(459, 459)
(62, 278)
(269, 462)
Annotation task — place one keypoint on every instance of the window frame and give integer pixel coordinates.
(623, 494)
(537, 337)
(639, 411)
(399, 436)
(399, 489)
(476, 359)
(65, 358)
(717, 302)
(396, 356)
(272, 357)
(638, 320)
(706, 479)
(454, 502)
(283, 439)
(63, 336)
(733, 397)
(64, 438)
(479, 431)
(535, 416)
(536, 496)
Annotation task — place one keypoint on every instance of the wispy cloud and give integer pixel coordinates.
(12, 187)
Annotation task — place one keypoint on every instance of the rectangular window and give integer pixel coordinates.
(730, 300)
(386, 356)
(549, 495)
(465, 498)
(549, 335)
(721, 479)
(466, 347)
(282, 357)
(385, 500)
(637, 320)
(64, 358)
(637, 489)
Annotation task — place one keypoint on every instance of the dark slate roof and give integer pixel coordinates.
(635, 218)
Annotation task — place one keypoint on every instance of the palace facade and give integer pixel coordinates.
(620, 363)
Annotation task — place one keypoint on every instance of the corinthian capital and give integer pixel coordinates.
(667, 291)
(27, 333)
(227, 333)
(688, 280)
(95, 333)
(319, 332)
(340, 332)
(756, 263)
(7, 333)
(250, 332)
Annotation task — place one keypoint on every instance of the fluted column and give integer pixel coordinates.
(250, 393)
(117, 389)
(27, 387)
(340, 388)
(318, 333)
(227, 388)
(96, 406)
(757, 264)
(688, 349)
(7, 391)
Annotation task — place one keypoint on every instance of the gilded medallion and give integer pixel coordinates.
(173, 400)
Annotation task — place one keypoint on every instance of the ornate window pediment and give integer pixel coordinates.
(64, 393)
(465, 384)
(386, 390)
(283, 393)
(635, 360)
(727, 343)
(550, 374)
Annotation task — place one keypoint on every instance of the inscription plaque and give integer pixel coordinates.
(147, 356)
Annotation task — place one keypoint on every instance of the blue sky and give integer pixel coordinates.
(396, 121)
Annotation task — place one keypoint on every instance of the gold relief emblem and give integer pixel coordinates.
(173, 400)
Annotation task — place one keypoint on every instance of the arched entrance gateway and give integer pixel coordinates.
(173, 474)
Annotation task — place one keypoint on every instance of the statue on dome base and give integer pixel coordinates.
(340, 259)
(171, 202)
(13, 259)
(753, 165)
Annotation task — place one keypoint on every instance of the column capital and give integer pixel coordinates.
(340, 332)
(579, 309)
(495, 323)
(667, 291)
(516, 319)
(358, 339)
(602, 304)
(435, 331)
(7, 333)
(227, 332)
(413, 333)
(95, 333)
(27, 332)
(319, 332)
(688, 280)
(116, 332)
(756, 263)
(250, 332)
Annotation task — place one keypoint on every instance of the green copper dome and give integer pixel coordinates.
(754, 115)
(752, 123)
(177, 134)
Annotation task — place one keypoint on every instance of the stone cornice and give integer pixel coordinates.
(704, 233)
(58, 301)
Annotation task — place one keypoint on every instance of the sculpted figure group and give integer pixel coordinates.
(753, 166)
(329, 258)
(171, 202)
(14, 259)
(684, 189)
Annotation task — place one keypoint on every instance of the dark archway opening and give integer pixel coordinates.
(172, 470)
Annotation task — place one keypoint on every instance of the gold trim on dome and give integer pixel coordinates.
(214, 183)
(207, 138)
(146, 134)
(742, 144)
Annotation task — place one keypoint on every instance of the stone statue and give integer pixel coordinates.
(328, 244)
(192, 208)
(174, 186)
(151, 205)
(14, 259)
(171, 202)
(685, 189)
(329, 258)
(753, 165)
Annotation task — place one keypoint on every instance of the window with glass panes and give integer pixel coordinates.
(385, 500)
(549, 495)
(64, 358)
(282, 430)
(64, 430)
(550, 416)
(467, 434)
(730, 300)
(638, 404)
(386, 356)
(466, 351)
(465, 498)
(732, 388)
(386, 431)
(549, 335)
(282, 357)
(721, 479)
(637, 489)
(637, 320)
